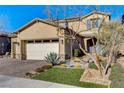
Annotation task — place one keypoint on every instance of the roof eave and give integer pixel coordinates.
(32, 22)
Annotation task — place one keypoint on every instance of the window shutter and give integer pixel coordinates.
(100, 20)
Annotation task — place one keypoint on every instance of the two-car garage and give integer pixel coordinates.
(38, 49)
(37, 39)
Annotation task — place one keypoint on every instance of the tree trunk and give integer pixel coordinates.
(94, 58)
(97, 58)
(109, 60)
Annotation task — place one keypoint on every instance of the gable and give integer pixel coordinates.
(38, 30)
(97, 15)
(82, 25)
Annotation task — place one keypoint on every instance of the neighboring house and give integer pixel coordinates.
(122, 19)
(40, 37)
(5, 43)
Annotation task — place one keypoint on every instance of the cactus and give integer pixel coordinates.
(52, 58)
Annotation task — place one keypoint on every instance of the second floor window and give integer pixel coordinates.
(93, 23)
(88, 24)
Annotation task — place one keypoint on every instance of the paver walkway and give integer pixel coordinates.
(16, 82)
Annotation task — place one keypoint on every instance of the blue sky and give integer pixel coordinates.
(13, 17)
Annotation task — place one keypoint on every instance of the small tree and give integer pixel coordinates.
(111, 36)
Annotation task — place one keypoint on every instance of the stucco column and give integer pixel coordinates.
(12, 50)
(62, 48)
(85, 43)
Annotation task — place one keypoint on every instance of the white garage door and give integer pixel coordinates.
(38, 51)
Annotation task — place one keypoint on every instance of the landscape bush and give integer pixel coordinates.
(52, 58)
(43, 68)
(76, 52)
(47, 66)
(40, 69)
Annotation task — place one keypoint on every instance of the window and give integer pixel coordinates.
(56, 40)
(31, 41)
(95, 23)
(92, 23)
(88, 24)
(37, 41)
(46, 41)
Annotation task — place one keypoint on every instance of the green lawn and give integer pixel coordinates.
(92, 65)
(65, 76)
(117, 76)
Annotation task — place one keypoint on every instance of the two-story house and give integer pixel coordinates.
(39, 37)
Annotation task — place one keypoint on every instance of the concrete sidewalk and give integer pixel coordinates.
(15, 82)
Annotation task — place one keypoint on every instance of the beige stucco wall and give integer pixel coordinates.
(15, 48)
(38, 30)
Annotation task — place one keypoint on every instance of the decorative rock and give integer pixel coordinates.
(76, 59)
(40, 69)
(90, 60)
(71, 65)
(93, 76)
(30, 74)
(77, 66)
(63, 65)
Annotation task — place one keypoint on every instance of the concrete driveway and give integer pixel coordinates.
(18, 68)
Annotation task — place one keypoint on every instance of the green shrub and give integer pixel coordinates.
(43, 68)
(76, 52)
(40, 69)
(63, 65)
(104, 52)
(52, 58)
(92, 65)
(101, 51)
(28, 74)
(47, 67)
